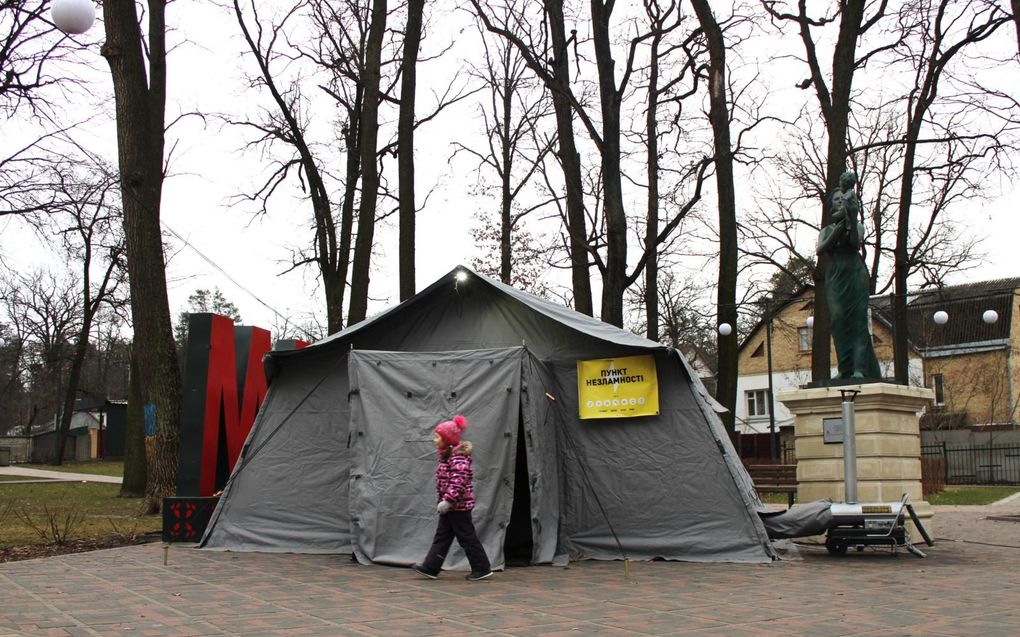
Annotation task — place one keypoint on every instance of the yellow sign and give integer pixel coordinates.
(617, 387)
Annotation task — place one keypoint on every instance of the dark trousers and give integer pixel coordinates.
(456, 524)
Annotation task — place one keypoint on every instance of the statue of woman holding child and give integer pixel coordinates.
(846, 284)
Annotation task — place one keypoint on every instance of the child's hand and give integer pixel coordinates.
(443, 507)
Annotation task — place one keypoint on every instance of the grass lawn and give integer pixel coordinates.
(971, 495)
(96, 504)
(95, 467)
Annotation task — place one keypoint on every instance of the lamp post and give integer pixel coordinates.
(766, 303)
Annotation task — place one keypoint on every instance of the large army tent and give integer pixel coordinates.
(340, 457)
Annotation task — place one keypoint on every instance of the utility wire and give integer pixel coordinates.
(232, 279)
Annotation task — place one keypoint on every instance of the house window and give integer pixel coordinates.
(757, 402)
(805, 334)
(938, 384)
(758, 351)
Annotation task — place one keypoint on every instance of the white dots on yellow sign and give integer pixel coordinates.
(617, 387)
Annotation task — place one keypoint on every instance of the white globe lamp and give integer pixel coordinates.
(725, 329)
(941, 317)
(990, 316)
(810, 321)
(73, 16)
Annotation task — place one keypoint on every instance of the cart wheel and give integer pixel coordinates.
(836, 547)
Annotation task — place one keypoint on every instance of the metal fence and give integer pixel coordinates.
(757, 449)
(976, 464)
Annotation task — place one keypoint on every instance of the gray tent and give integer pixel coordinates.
(340, 457)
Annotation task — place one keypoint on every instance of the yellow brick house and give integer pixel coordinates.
(971, 362)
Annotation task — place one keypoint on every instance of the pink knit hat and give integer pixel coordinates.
(450, 430)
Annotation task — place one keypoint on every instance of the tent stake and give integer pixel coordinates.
(626, 567)
(166, 552)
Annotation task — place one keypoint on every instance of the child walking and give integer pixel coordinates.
(456, 496)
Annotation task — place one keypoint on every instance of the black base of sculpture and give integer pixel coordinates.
(185, 519)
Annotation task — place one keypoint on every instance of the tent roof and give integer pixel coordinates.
(447, 284)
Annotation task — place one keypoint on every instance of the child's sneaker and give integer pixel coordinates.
(474, 576)
(421, 570)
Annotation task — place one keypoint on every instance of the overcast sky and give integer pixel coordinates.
(248, 255)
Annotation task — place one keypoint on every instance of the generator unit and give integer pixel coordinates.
(873, 524)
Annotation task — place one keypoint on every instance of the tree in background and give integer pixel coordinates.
(35, 59)
(834, 102)
(514, 150)
(530, 258)
(938, 40)
(287, 125)
(44, 310)
(39, 71)
(88, 225)
(203, 301)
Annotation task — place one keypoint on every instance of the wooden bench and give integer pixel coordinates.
(775, 478)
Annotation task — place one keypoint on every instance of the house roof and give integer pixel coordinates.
(965, 304)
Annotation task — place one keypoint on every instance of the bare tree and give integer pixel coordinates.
(941, 37)
(45, 308)
(606, 245)
(515, 147)
(89, 227)
(530, 256)
(834, 101)
(35, 59)
(285, 125)
(139, 86)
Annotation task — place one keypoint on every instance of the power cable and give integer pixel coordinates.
(232, 279)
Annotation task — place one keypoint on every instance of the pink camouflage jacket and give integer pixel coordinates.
(455, 477)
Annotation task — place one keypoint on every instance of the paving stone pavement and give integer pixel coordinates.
(969, 586)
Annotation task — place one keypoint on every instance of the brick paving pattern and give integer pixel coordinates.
(968, 586)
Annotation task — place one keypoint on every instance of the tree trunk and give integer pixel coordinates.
(652, 214)
(135, 471)
(405, 146)
(570, 160)
(140, 122)
(614, 278)
(369, 134)
(352, 137)
(726, 294)
(71, 388)
(1015, 4)
(506, 194)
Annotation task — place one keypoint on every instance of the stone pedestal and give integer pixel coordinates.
(888, 444)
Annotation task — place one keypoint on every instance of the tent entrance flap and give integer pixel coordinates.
(519, 545)
(397, 399)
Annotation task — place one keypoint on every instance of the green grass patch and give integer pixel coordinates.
(971, 495)
(775, 498)
(94, 467)
(90, 506)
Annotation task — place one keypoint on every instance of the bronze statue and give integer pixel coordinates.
(846, 284)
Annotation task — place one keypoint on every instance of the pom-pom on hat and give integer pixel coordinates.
(450, 430)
